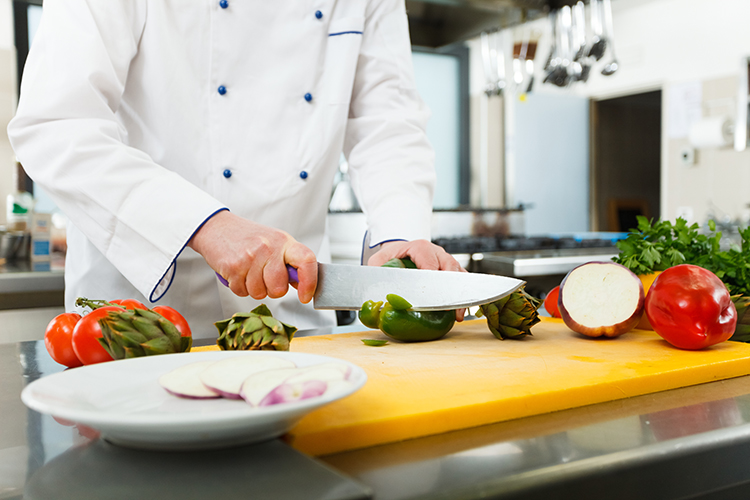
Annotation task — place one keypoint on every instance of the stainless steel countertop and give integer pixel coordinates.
(17, 277)
(684, 443)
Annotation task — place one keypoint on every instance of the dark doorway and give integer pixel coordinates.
(625, 160)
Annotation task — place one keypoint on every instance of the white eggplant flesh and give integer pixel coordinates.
(288, 392)
(601, 299)
(257, 386)
(226, 376)
(185, 381)
(292, 384)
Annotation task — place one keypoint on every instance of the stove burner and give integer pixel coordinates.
(482, 244)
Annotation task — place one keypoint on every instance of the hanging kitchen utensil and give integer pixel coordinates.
(558, 73)
(598, 43)
(493, 59)
(553, 60)
(523, 63)
(611, 67)
(489, 87)
(579, 31)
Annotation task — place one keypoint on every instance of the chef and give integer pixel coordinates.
(189, 138)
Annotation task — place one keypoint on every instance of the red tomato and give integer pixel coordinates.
(85, 345)
(129, 303)
(176, 318)
(58, 339)
(690, 307)
(550, 302)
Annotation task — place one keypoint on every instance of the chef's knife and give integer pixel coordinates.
(347, 287)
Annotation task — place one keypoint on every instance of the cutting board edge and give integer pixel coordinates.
(347, 438)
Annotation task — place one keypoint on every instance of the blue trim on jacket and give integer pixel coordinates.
(364, 244)
(345, 33)
(174, 261)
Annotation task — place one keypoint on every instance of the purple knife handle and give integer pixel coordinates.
(222, 280)
(293, 278)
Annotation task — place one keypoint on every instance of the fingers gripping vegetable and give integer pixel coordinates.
(690, 307)
(256, 330)
(58, 339)
(397, 321)
(512, 316)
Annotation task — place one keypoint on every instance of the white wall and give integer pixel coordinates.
(665, 41)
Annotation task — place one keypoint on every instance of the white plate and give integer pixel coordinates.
(124, 401)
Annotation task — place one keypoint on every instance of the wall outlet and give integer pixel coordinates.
(687, 156)
(686, 213)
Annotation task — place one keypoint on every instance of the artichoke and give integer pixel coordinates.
(512, 316)
(256, 330)
(140, 332)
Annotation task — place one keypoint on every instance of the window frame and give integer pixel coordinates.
(461, 52)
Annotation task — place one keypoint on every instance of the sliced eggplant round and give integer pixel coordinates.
(185, 381)
(226, 376)
(601, 299)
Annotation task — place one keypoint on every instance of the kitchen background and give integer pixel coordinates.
(551, 163)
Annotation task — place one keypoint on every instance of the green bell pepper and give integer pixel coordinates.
(398, 321)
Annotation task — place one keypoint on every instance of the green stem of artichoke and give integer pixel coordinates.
(95, 304)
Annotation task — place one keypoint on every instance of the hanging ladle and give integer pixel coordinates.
(599, 43)
(611, 67)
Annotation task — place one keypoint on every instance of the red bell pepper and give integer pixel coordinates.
(690, 307)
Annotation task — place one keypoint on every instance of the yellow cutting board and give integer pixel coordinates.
(469, 378)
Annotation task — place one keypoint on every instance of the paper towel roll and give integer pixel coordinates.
(713, 132)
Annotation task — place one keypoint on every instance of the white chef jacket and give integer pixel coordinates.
(142, 118)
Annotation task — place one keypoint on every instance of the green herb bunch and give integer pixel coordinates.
(656, 246)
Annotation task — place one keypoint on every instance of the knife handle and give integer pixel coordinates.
(293, 278)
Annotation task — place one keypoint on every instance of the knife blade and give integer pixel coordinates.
(347, 287)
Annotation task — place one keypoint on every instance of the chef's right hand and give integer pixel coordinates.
(253, 257)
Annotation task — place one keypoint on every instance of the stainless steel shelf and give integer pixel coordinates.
(43, 281)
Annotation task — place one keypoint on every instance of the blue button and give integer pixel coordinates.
(303, 175)
(227, 173)
(318, 14)
(222, 89)
(224, 4)
(308, 97)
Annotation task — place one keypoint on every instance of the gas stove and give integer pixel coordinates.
(541, 261)
(487, 244)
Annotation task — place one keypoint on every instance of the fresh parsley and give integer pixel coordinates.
(656, 246)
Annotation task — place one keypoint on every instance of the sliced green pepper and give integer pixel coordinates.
(398, 321)
(369, 315)
(406, 263)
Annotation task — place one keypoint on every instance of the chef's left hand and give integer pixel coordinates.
(424, 254)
